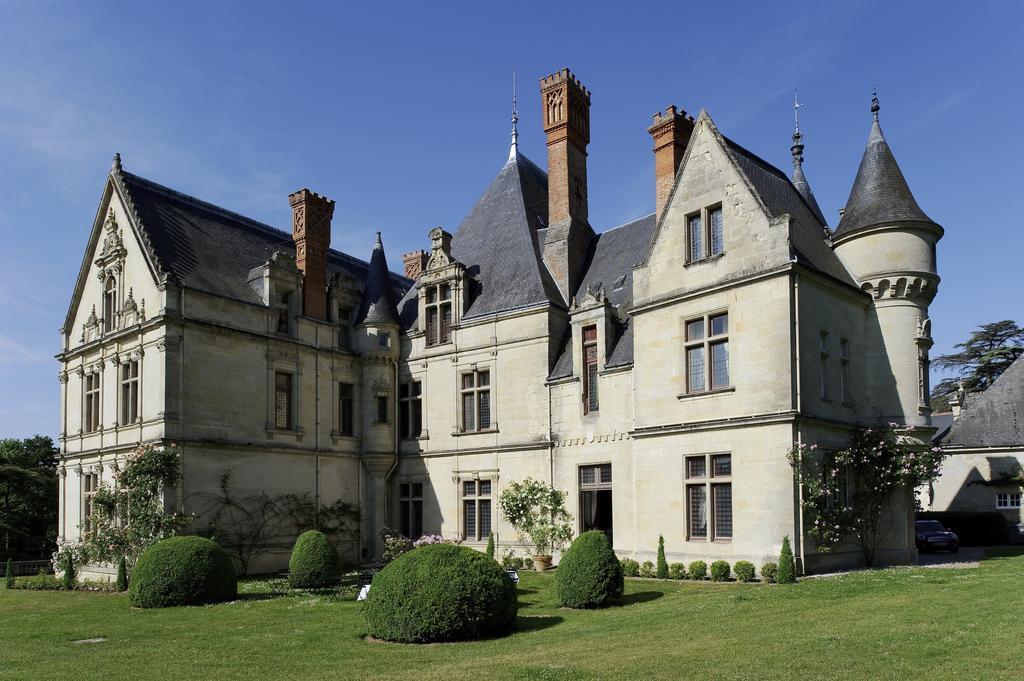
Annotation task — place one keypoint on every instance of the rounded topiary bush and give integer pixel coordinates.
(630, 568)
(589, 575)
(698, 570)
(769, 572)
(314, 562)
(440, 592)
(677, 571)
(720, 571)
(744, 570)
(182, 571)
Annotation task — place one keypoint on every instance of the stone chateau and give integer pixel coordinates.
(657, 371)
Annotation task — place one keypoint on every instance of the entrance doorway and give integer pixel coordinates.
(596, 498)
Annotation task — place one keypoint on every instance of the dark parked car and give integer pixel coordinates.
(931, 535)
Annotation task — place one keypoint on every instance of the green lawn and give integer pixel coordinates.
(906, 623)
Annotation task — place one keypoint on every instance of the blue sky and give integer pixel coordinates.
(401, 114)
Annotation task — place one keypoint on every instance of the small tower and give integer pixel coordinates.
(377, 342)
(799, 180)
(888, 244)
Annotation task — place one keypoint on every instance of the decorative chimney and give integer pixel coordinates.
(566, 116)
(311, 232)
(415, 263)
(671, 133)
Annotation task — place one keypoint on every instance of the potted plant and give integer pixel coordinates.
(536, 511)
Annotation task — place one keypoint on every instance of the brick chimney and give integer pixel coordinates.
(566, 116)
(671, 133)
(311, 232)
(415, 263)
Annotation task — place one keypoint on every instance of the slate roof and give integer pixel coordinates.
(616, 252)
(498, 244)
(378, 301)
(781, 197)
(880, 193)
(207, 248)
(995, 417)
(804, 187)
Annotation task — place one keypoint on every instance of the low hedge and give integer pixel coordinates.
(698, 570)
(589, 575)
(720, 571)
(974, 528)
(744, 570)
(630, 567)
(769, 572)
(314, 562)
(440, 592)
(182, 570)
(677, 571)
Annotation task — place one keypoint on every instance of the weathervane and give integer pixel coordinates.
(796, 111)
(515, 121)
(798, 145)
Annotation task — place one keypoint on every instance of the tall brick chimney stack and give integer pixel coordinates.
(415, 263)
(671, 132)
(311, 232)
(566, 116)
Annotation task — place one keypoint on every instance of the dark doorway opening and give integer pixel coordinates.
(596, 499)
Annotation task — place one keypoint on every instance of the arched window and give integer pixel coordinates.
(110, 303)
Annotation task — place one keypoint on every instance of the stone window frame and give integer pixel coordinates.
(111, 305)
(89, 483)
(343, 318)
(408, 498)
(476, 390)
(825, 361)
(288, 391)
(410, 400)
(92, 400)
(706, 342)
(710, 482)
(438, 300)
(477, 499)
(589, 357)
(383, 411)
(844, 371)
(282, 306)
(352, 408)
(710, 237)
(130, 378)
(598, 484)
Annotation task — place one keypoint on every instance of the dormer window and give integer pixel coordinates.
(439, 314)
(590, 399)
(109, 303)
(344, 328)
(705, 237)
(282, 312)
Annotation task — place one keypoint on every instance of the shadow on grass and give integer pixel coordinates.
(536, 623)
(521, 591)
(640, 597)
(999, 552)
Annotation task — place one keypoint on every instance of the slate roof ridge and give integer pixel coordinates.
(286, 237)
(994, 417)
(630, 223)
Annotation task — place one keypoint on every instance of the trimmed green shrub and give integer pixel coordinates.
(769, 572)
(630, 568)
(677, 571)
(490, 546)
(9, 574)
(744, 570)
(526, 563)
(67, 579)
(698, 570)
(440, 592)
(647, 569)
(182, 570)
(314, 562)
(122, 575)
(589, 575)
(662, 563)
(41, 582)
(720, 571)
(787, 567)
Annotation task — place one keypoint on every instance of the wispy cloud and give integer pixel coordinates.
(11, 352)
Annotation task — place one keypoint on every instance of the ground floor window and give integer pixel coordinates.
(1008, 500)
(708, 480)
(90, 485)
(476, 509)
(596, 498)
(410, 496)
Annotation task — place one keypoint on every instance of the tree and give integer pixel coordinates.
(537, 513)
(982, 358)
(846, 492)
(787, 566)
(122, 575)
(662, 563)
(490, 545)
(28, 496)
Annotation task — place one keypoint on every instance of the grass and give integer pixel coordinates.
(900, 623)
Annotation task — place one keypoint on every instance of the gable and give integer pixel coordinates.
(115, 253)
(709, 176)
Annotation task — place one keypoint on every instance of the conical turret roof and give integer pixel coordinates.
(378, 304)
(880, 193)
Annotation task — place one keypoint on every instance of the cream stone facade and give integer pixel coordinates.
(658, 372)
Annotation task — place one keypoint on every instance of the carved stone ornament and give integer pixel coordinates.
(91, 327)
(129, 311)
(594, 297)
(440, 249)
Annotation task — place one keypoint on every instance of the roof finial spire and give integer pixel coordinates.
(514, 150)
(116, 163)
(798, 146)
(874, 103)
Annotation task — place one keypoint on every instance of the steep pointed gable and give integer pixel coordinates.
(378, 301)
(804, 187)
(880, 194)
(995, 417)
(498, 242)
